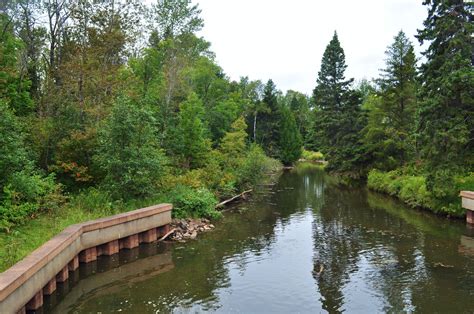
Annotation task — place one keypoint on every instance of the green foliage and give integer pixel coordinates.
(289, 140)
(24, 191)
(410, 189)
(312, 156)
(233, 144)
(222, 116)
(93, 200)
(446, 124)
(390, 133)
(339, 119)
(268, 126)
(13, 155)
(131, 161)
(25, 195)
(14, 88)
(176, 17)
(255, 165)
(299, 105)
(413, 190)
(193, 202)
(193, 145)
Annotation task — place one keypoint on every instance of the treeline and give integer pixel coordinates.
(411, 131)
(115, 101)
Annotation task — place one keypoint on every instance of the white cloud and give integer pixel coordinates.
(285, 40)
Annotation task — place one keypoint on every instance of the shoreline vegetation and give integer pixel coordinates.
(411, 189)
(130, 108)
(196, 210)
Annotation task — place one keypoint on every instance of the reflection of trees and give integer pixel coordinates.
(200, 266)
(298, 190)
(336, 246)
(396, 251)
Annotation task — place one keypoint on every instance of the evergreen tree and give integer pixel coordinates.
(299, 105)
(389, 136)
(193, 144)
(446, 117)
(289, 141)
(268, 129)
(339, 118)
(330, 93)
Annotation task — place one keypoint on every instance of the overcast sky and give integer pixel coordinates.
(285, 40)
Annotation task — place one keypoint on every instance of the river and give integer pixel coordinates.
(306, 245)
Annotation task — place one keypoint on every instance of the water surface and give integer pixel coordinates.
(307, 245)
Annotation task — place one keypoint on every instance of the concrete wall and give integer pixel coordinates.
(22, 286)
(468, 204)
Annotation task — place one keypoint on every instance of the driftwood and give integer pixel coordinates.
(321, 268)
(167, 235)
(233, 198)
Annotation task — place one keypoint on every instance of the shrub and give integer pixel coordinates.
(193, 202)
(26, 194)
(254, 166)
(128, 152)
(312, 156)
(413, 190)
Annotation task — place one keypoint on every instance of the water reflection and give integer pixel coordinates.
(379, 256)
(306, 246)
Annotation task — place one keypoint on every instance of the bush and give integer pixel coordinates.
(413, 190)
(312, 156)
(189, 202)
(25, 194)
(128, 152)
(254, 166)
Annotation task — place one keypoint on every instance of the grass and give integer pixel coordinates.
(312, 156)
(24, 239)
(412, 189)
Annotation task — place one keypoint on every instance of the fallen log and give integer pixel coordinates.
(221, 204)
(167, 234)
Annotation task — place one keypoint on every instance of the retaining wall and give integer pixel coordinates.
(23, 285)
(468, 204)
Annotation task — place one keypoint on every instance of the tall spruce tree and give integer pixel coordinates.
(268, 134)
(446, 124)
(389, 135)
(339, 118)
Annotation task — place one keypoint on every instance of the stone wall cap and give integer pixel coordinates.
(467, 194)
(19, 273)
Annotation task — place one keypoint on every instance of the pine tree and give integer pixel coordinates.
(389, 135)
(289, 141)
(267, 134)
(446, 125)
(338, 120)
